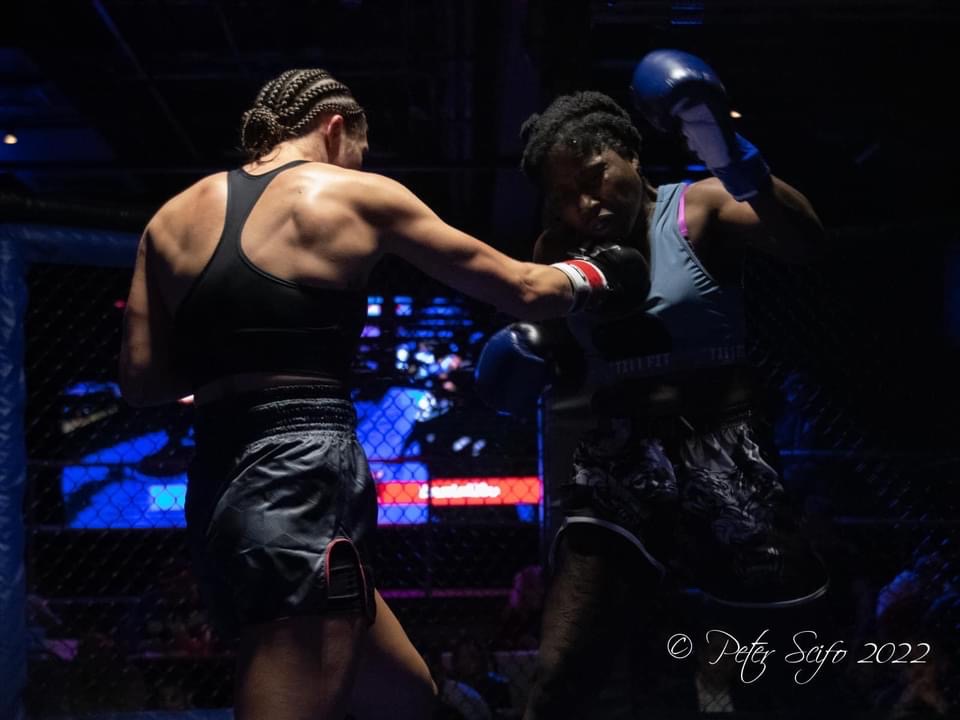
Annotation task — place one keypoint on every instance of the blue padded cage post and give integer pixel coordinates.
(19, 245)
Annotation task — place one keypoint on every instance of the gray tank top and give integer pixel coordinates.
(697, 312)
(688, 320)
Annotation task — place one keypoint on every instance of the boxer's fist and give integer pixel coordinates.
(677, 90)
(520, 362)
(623, 271)
(666, 81)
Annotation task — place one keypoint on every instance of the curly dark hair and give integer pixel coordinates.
(287, 106)
(584, 122)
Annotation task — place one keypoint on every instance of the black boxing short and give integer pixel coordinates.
(700, 503)
(281, 508)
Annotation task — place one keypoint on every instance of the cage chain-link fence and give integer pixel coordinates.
(116, 623)
(115, 619)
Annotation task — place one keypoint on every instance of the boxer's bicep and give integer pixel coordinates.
(467, 264)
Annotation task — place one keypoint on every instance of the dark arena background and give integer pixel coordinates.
(109, 107)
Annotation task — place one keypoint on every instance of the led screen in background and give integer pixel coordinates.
(109, 488)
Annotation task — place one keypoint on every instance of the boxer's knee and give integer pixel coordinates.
(593, 599)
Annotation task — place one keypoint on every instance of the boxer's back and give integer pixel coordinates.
(303, 228)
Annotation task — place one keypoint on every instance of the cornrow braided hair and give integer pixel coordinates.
(287, 106)
(585, 122)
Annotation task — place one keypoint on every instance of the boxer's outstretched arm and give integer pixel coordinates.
(412, 231)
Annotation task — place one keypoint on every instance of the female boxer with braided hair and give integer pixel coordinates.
(669, 481)
(247, 292)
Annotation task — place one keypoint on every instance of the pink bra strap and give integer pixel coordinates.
(681, 211)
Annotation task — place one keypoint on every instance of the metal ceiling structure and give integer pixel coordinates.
(125, 102)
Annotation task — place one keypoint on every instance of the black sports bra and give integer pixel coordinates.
(238, 318)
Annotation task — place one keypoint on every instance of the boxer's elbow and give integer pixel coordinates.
(135, 387)
(807, 244)
(784, 225)
(817, 247)
(130, 377)
(142, 386)
(133, 391)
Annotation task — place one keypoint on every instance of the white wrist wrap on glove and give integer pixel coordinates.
(585, 279)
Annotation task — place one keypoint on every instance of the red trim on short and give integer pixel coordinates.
(366, 596)
(326, 558)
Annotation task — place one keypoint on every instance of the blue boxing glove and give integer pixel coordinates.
(520, 362)
(674, 89)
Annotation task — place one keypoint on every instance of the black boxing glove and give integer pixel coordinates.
(607, 275)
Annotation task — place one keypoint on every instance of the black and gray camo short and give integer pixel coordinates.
(699, 502)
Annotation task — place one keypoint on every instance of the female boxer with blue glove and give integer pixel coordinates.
(671, 482)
